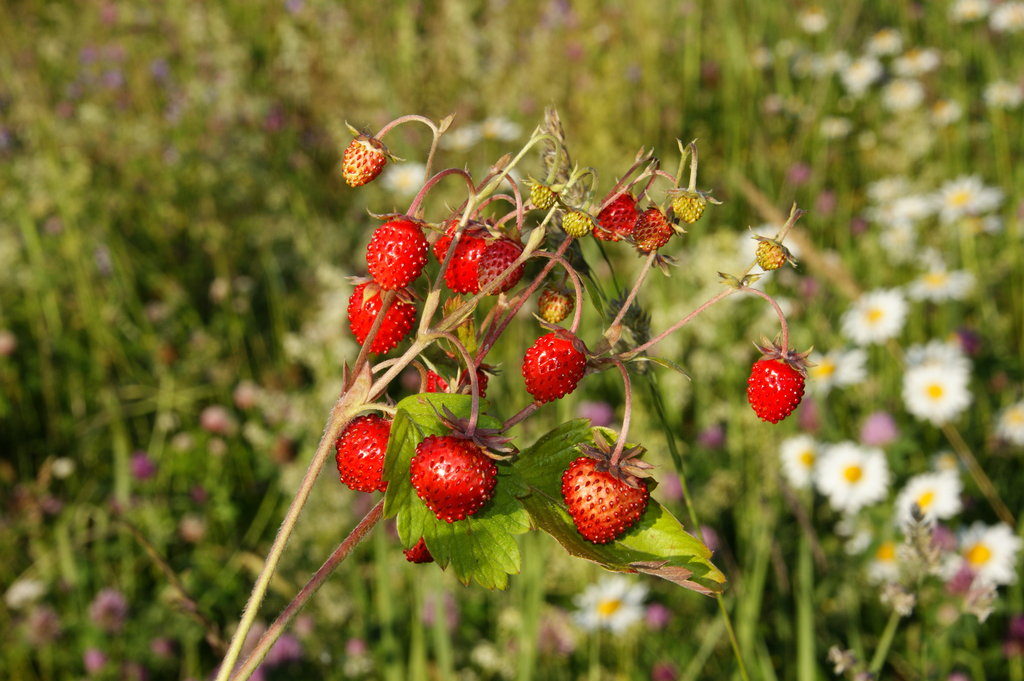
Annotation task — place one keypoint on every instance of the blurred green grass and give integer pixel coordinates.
(172, 224)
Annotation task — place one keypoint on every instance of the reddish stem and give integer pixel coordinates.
(636, 289)
(621, 184)
(620, 443)
(778, 312)
(387, 298)
(520, 415)
(577, 286)
(405, 119)
(678, 325)
(429, 184)
(474, 384)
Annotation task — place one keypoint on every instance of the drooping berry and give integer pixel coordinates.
(771, 255)
(774, 389)
(618, 218)
(363, 307)
(553, 366)
(453, 476)
(688, 206)
(542, 196)
(577, 224)
(360, 453)
(495, 259)
(555, 304)
(396, 254)
(363, 160)
(652, 230)
(602, 506)
(419, 553)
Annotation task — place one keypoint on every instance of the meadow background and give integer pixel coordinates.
(174, 242)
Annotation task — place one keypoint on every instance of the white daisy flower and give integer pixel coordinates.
(946, 112)
(917, 62)
(836, 368)
(911, 208)
(24, 592)
(500, 128)
(963, 11)
(835, 127)
(936, 393)
(831, 63)
(1007, 17)
(990, 551)
(936, 494)
(885, 42)
(875, 317)
(461, 138)
(851, 476)
(938, 353)
(1011, 424)
(966, 195)
(798, 455)
(614, 603)
(1003, 94)
(861, 74)
(761, 57)
(899, 241)
(888, 188)
(902, 94)
(939, 284)
(63, 468)
(404, 179)
(812, 20)
(946, 462)
(884, 567)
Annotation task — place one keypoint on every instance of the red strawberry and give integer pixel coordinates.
(461, 274)
(652, 230)
(498, 255)
(363, 307)
(553, 366)
(419, 553)
(360, 453)
(363, 160)
(774, 389)
(618, 218)
(602, 506)
(396, 254)
(482, 377)
(452, 476)
(435, 383)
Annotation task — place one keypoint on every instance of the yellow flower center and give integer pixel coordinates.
(609, 607)
(1016, 417)
(874, 314)
(959, 198)
(935, 391)
(978, 555)
(807, 459)
(853, 473)
(823, 370)
(925, 500)
(936, 279)
(886, 553)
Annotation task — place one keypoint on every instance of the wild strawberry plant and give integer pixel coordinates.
(454, 473)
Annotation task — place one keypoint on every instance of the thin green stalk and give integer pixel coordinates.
(884, 643)
(805, 667)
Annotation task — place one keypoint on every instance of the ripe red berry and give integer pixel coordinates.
(461, 273)
(498, 255)
(396, 254)
(363, 160)
(419, 553)
(774, 389)
(452, 476)
(602, 506)
(482, 378)
(363, 306)
(618, 218)
(436, 383)
(652, 231)
(553, 366)
(360, 453)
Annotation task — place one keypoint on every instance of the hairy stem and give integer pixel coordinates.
(680, 324)
(627, 413)
(474, 383)
(415, 208)
(410, 118)
(778, 312)
(274, 631)
(520, 415)
(648, 261)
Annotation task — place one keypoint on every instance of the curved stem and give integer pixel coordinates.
(617, 188)
(778, 312)
(678, 325)
(620, 443)
(410, 118)
(577, 286)
(364, 350)
(474, 383)
(633, 292)
(520, 415)
(415, 206)
(274, 631)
